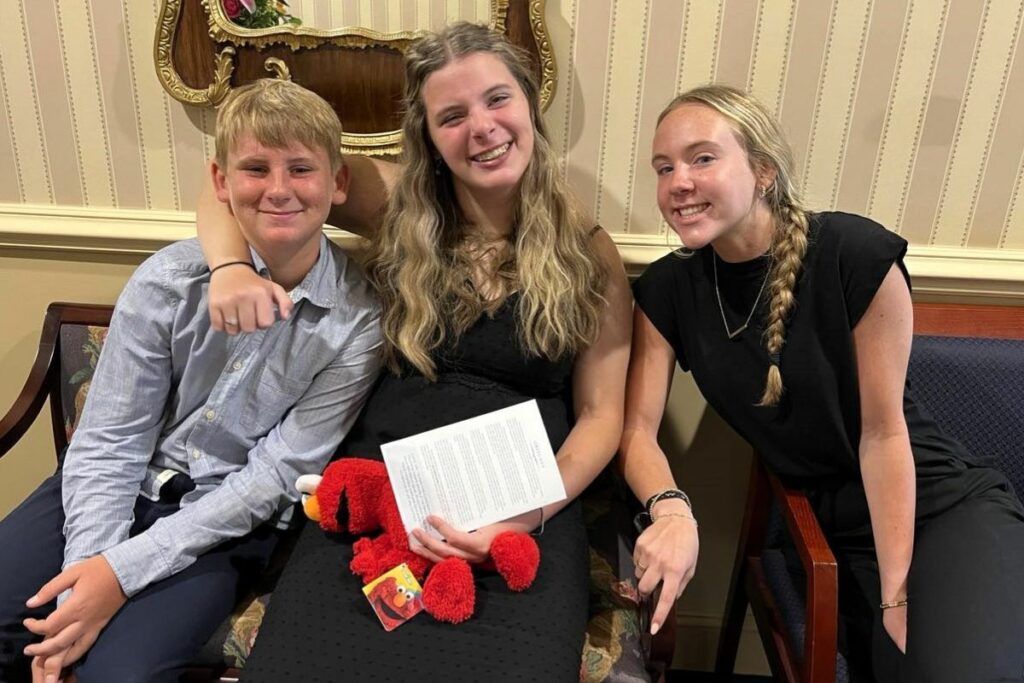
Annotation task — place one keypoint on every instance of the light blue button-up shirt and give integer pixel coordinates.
(242, 416)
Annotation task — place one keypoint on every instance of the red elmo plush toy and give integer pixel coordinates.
(355, 495)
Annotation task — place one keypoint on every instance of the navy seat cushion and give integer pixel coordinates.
(974, 389)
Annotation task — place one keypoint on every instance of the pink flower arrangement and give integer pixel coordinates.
(232, 8)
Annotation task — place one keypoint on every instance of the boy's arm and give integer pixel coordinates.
(104, 468)
(300, 444)
(121, 421)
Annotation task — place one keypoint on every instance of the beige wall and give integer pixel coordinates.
(905, 110)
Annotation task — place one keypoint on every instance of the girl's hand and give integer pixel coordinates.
(666, 553)
(242, 301)
(894, 620)
(472, 546)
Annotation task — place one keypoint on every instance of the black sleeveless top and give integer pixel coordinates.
(811, 438)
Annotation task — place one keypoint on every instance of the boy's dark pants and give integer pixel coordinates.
(158, 631)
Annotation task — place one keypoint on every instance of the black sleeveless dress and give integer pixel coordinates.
(319, 627)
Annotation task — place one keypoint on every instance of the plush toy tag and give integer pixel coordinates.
(395, 596)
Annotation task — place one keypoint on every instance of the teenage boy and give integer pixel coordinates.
(191, 439)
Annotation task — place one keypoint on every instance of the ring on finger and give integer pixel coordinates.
(641, 567)
(233, 323)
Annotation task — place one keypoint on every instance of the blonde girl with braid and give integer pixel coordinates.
(797, 328)
(495, 290)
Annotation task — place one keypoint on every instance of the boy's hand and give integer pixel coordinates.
(72, 628)
(242, 301)
(51, 670)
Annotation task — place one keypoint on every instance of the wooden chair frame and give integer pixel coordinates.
(44, 376)
(749, 585)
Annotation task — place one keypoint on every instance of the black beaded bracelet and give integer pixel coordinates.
(232, 263)
(665, 495)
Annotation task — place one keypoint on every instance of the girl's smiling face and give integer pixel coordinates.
(708, 191)
(479, 121)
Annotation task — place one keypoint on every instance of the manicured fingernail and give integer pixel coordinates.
(33, 601)
(654, 628)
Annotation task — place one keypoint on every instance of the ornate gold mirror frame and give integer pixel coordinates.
(201, 54)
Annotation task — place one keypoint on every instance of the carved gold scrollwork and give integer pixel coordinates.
(278, 68)
(548, 75)
(221, 86)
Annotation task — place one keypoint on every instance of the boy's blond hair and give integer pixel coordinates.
(277, 113)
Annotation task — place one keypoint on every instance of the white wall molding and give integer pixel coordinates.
(89, 230)
(939, 272)
(72, 229)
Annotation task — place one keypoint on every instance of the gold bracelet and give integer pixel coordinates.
(676, 514)
(894, 603)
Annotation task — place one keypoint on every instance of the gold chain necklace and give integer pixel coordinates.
(734, 333)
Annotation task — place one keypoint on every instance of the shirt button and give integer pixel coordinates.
(195, 453)
(210, 414)
(237, 365)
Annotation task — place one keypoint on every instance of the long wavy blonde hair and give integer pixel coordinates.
(420, 263)
(766, 146)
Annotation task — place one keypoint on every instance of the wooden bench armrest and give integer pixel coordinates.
(30, 401)
(822, 589)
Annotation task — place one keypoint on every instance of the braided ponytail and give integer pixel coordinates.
(789, 244)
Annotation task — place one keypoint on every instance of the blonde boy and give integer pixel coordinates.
(190, 439)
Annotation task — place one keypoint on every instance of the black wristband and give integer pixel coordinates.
(232, 263)
(664, 495)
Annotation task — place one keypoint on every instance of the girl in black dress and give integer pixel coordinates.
(495, 290)
(797, 329)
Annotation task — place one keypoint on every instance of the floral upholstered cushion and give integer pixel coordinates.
(79, 350)
(613, 650)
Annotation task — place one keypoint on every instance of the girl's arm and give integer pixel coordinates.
(236, 292)
(667, 550)
(882, 341)
(599, 378)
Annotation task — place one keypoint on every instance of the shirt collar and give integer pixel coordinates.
(320, 286)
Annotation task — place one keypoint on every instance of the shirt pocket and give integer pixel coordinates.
(273, 396)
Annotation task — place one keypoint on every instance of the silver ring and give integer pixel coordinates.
(641, 567)
(233, 323)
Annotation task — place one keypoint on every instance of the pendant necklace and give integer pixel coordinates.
(734, 333)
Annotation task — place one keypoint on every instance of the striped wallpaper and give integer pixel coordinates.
(388, 16)
(908, 111)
